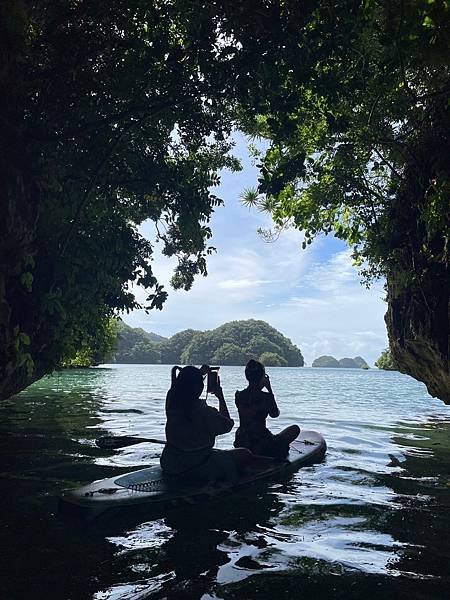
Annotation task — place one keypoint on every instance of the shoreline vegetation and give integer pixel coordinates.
(386, 361)
(230, 344)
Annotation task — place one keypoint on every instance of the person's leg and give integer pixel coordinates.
(289, 434)
(227, 466)
(245, 459)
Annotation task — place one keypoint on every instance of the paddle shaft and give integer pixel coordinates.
(110, 442)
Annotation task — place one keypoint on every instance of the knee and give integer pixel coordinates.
(290, 433)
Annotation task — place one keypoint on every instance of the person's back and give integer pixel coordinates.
(253, 407)
(196, 429)
(191, 429)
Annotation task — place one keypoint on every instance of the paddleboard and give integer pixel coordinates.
(150, 487)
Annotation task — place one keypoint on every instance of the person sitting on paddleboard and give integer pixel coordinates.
(254, 406)
(191, 429)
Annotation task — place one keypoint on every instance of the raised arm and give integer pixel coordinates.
(273, 409)
(219, 421)
(223, 408)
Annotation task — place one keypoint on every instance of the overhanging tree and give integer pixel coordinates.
(109, 120)
(354, 101)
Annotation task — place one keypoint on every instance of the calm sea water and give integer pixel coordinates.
(371, 521)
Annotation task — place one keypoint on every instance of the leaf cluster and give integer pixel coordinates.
(386, 362)
(354, 103)
(116, 119)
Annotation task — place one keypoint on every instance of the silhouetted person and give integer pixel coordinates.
(191, 428)
(254, 406)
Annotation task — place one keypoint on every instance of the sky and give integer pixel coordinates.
(313, 296)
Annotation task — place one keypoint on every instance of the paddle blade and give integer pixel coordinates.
(109, 442)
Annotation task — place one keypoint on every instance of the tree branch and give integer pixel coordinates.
(386, 162)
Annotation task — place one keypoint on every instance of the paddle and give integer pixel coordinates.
(111, 442)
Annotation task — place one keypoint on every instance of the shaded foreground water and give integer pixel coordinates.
(371, 521)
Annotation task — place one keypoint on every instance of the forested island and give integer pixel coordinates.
(233, 343)
(343, 363)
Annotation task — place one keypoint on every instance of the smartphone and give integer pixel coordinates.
(213, 380)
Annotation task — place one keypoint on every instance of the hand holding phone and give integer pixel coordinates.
(213, 380)
(218, 392)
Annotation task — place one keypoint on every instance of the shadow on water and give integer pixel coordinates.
(372, 521)
(47, 444)
(183, 554)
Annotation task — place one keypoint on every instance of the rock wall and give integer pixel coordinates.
(418, 323)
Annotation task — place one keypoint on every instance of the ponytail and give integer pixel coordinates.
(173, 374)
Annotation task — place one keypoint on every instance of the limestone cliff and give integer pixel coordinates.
(418, 323)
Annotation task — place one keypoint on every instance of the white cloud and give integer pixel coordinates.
(230, 284)
(336, 315)
(238, 281)
(332, 276)
(296, 302)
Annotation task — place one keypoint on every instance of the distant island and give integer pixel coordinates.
(233, 343)
(343, 363)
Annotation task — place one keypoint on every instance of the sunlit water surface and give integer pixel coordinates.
(371, 521)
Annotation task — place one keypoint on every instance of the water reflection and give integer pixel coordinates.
(371, 521)
(195, 548)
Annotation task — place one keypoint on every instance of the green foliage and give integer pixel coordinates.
(233, 343)
(385, 361)
(96, 348)
(229, 354)
(238, 341)
(270, 359)
(355, 105)
(135, 345)
(114, 117)
(360, 362)
(326, 361)
(173, 348)
(352, 363)
(142, 352)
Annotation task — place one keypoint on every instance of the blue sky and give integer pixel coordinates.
(312, 296)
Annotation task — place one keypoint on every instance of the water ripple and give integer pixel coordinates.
(376, 511)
